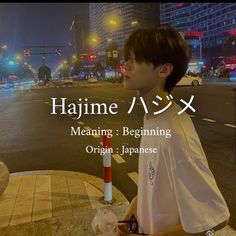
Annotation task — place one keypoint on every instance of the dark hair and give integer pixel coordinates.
(159, 46)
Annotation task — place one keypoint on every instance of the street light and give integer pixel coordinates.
(134, 23)
(18, 57)
(93, 40)
(113, 22)
(74, 59)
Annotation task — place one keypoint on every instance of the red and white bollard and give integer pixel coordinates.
(107, 172)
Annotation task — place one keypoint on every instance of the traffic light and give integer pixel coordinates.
(92, 57)
(27, 53)
(58, 52)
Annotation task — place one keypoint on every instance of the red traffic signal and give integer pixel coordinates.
(92, 56)
(27, 53)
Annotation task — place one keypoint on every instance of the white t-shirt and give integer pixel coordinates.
(175, 185)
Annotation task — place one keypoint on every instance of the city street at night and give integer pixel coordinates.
(91, 142)
(33, 139)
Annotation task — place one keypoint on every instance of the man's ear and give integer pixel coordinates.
(164, 70)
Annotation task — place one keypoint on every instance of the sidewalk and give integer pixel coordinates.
(53, 203)
(57, 203)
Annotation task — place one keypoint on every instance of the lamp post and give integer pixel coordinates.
(93, 41)
(18, 57)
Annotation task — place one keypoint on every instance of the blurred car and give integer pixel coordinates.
(3, 85)
(190, 80)
(68, 81)
(92, 79)
(75, 77)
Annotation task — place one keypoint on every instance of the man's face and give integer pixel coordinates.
(139, 75)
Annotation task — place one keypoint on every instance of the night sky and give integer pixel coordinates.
(38, 24)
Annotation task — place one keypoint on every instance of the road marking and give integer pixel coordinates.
(80, 123)
(88, 128)
(134, 177)
(210, 120)
(229, 125)
(118, 158)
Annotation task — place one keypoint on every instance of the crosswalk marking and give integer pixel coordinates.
(80, 123)
(118, 158)
(134, 177)
(210, 120)
(229, 125)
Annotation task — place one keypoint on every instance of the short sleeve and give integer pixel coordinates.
(200, 203)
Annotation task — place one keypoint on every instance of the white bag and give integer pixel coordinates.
(105, 223)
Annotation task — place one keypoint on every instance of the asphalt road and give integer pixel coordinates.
(33, 139)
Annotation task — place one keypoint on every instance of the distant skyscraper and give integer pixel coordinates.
(79, 36)
(131, 16)
(215, 21)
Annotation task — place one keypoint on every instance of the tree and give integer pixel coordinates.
(44, 73)
(76, 67)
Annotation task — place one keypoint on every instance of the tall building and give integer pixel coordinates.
(79, 30)
(206, 26)
(129, 16)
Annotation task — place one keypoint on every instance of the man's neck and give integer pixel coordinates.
(150, 96)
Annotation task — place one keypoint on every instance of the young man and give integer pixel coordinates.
(177, 192)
